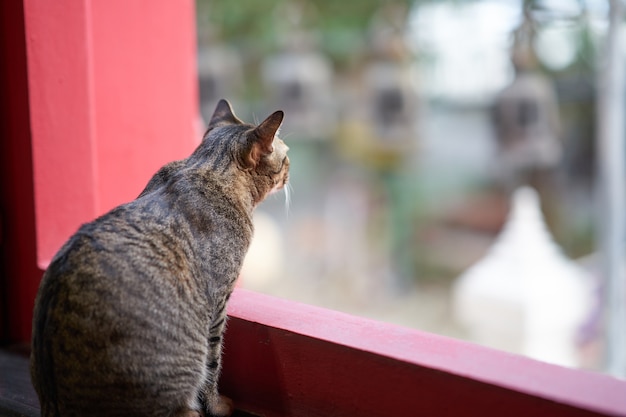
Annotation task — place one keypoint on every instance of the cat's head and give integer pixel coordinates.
(259, 156)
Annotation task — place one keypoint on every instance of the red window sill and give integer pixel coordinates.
(288, 359)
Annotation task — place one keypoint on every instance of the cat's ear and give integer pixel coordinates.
(223, 115)
(262, 137)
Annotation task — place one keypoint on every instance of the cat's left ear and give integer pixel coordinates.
(262, 137)
(223, 115)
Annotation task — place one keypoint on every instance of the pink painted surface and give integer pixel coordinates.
(103, 94)
(146, 91)
(285, 358)
(113, 93)
(60, 87)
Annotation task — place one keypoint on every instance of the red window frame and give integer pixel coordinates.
(283, 358)
(93, 102)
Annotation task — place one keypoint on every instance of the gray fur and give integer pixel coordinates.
(130, 315)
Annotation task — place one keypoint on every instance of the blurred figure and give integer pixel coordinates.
(527, 125)
(526, 119)
(525, 296)
(389, 86)
(298, 78)
(379, 128)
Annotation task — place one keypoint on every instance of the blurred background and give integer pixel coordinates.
(442, 161)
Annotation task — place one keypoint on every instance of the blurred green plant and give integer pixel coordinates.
(257, 26)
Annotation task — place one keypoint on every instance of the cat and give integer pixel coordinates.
(130, 314)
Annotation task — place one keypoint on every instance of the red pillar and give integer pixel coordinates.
(101, 95)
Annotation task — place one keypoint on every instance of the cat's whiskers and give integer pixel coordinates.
(288, 192)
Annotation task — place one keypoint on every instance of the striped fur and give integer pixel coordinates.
(130, 315)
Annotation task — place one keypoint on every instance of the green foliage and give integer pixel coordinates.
(340, 25)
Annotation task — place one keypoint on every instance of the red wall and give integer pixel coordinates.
(101, 94)
(145, 81)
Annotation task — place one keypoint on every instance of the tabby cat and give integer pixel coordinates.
(130, 315)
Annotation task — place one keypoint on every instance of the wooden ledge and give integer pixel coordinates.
(288, 359)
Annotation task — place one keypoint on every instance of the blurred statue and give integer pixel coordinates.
(525, 296)
(526, 120)
(299, 77)
(380, 127)
(389, 81)
(379, 132)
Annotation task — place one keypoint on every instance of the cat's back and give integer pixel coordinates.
(109, 309)
(136, 248)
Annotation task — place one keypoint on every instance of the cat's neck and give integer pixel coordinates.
(182, 182)
(221, 189)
